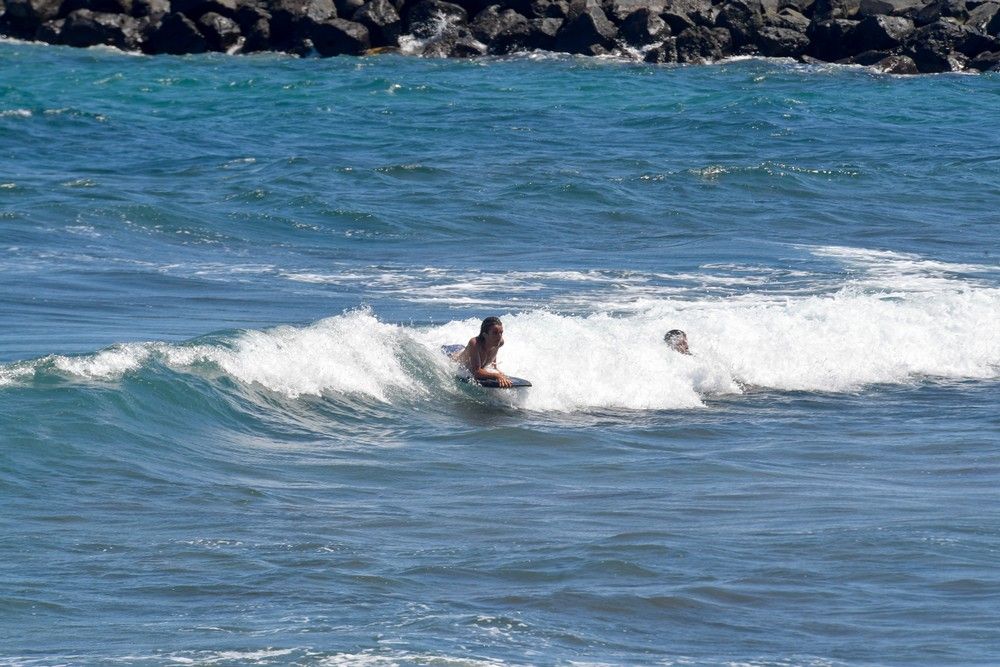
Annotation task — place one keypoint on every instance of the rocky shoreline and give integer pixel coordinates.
(896, 36)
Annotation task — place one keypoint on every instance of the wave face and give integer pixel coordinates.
(228, 435)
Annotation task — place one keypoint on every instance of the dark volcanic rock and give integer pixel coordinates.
(896, 64)
(889, 7)
(981, 17)
(176, 34)
(32, 11)
(222, 33)
(986, 62)
(643, 27)
(430, 19)
(383, 22)
(700, 44)
(832, 40)
(493, 20)
(882, 32)
(291, 20)
(154, 10)
(86, 28)
(664, 53)
(257, 36)
(195, 9)
(788, 18)
(743, 19)
(781, 42)
(683, 14)
(543, 32)
(828, 10)
(588, 32)
(102, 6)
(939, 9)
(550, 9)
(339, 37)
(349, 7)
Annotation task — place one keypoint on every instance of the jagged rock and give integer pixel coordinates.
(618, 10)
(293, 20)
(828, 10)
(455, 44)
(339, 37)
(781, 42)
(154, 10)
(49, 31)
(510, 35)
(257, 36)
(832, 40)
(937, 40)
(986, 62)
(788, 18)
(223, 34)
(84, 27)
(382, 20)
(493, 20)
(993, 27)
(543, 32)
(882, 32)
(939, 9)
(349, 7)
(699, 45)
(175, 34)
(664, 53)
(32, 11)
(549, 9)
(589, 32)
(683, 14)
(867, 58)
(896, 64)
(428, 18)
(981, 17)
(801, 6)
(743, 19)
(195, 9)
(643, 27)
(889, 7)
(102, 6)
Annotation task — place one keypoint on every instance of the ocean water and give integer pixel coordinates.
(227, 436)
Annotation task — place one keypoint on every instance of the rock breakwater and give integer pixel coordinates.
(898, 36)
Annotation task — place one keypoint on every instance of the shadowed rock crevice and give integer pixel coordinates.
(897, 36)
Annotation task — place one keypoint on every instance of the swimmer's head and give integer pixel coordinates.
(491, 328)
(677, 340)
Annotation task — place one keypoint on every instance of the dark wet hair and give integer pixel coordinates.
(673, 335)
(488, 324)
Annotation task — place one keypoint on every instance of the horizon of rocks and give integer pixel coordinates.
(894, 36)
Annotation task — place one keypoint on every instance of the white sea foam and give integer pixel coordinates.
(107, 364)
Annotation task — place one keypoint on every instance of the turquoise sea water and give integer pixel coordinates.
(227, 436)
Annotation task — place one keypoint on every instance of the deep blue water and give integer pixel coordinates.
(227, 436)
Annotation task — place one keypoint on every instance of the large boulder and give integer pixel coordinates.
(195, 9)
(889, 7)
(982, 16)
(84, 27)
(831, 40)
(154, 10)
(643, 27)
(493, 20)
(339, 37)
(549, 9)
(22, 18)
(257, 36)
(222, 33)
(743, 19)
(828, 10)
(788, 18)
(102, 6)
(776, 42)
(175, 34)
(986, 62)
(897, 64)
(683, 14)
(882, 32)
(588, 32)
(433, 19)
(699, 44)
(543, 33)
(350, 7)
(292, 19)
(382, 20)
(665, 52)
